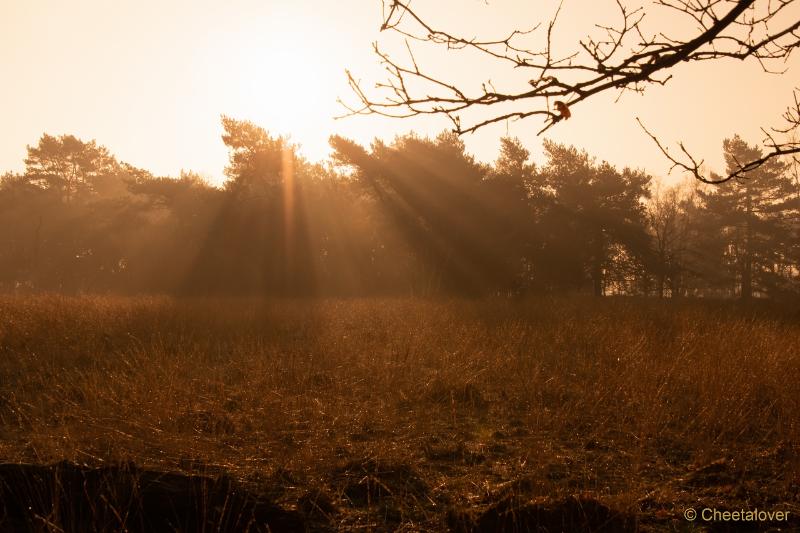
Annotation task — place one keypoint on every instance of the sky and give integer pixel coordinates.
(149, 80)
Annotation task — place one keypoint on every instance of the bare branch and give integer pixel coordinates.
(622, 58)
(790, 146)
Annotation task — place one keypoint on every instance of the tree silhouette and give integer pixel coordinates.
(750, 216)
(594, 219)
(414, 216)
(458, 221)
(71, 167)
(669, 215)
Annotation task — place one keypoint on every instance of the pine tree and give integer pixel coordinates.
(748, 217)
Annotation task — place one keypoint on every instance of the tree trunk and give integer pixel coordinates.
(597, 265)
(661, 276)
(747, 267)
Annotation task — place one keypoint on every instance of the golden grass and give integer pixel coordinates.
(623, 399)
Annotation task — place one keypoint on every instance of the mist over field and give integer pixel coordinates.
(542, 274)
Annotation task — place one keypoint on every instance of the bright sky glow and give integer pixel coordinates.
(150, 79)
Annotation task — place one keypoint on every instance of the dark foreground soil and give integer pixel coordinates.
(368, 495)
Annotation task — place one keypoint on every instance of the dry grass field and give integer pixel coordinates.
(419, 415)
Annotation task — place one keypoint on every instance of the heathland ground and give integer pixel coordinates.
(419, 414)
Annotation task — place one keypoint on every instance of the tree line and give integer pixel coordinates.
(416, 216)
